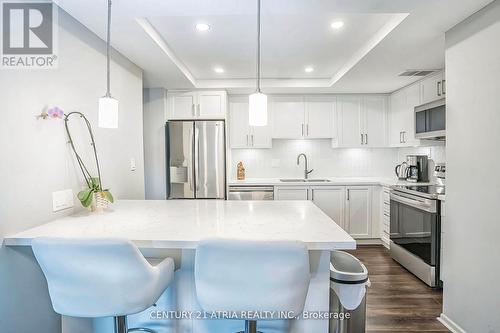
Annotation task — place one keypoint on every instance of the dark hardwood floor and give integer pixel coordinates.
(397, 301)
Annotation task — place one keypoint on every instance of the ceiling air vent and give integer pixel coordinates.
(418, 72)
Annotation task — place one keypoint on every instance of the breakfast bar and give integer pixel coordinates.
(173, 228)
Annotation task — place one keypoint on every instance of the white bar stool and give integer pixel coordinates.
(93, 278)
(243, 277)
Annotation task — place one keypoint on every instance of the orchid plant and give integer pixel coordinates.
(94, 184)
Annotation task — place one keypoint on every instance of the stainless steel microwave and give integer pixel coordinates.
(430, 120)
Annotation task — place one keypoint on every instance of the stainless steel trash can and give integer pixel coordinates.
(348, 282)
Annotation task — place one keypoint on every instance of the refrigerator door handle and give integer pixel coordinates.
(190, 171)
(196, 158)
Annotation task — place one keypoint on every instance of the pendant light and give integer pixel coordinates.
(257, 113)
(108, 106)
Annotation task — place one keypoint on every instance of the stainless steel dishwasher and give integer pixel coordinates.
(251, 193)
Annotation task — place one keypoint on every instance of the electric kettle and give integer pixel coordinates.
(402, 171)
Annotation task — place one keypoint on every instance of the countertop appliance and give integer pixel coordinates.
(415, 230)
(418, 166)
(430, 120)
(251, 193)
(401, 171)
(196, 159)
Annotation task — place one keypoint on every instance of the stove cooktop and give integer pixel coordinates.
(427, 191)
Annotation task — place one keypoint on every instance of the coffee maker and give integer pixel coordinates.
(418, 168)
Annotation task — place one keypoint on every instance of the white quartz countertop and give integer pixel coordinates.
(333, 181)
(180, 224)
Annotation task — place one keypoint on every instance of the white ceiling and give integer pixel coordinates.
(380, 39)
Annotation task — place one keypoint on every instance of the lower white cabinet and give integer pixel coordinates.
(291, 193)
(331, 201)
(358, 221)
(349, 206)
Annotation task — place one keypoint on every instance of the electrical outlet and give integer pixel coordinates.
(62, 200)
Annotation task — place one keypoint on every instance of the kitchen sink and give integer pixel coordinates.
(318, 180)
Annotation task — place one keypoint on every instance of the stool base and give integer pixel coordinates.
(121, 326)
(250, 327)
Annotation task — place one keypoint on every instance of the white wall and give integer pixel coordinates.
(155, 104)
(36, 160)
(472, 288)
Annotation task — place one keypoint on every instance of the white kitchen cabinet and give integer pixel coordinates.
(402, 116)
(319, 117)
(287, 117)
(242, 135)
(291, 193)
(433, 88)
(330, 199)
(374, 121)
(350, 121)
(362, 121)
(358, 219)
(196, 105)
(299, 117)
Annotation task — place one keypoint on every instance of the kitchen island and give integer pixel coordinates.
(173, 228)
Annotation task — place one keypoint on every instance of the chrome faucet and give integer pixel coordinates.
(306, 172)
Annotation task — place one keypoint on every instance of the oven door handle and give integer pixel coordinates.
(424, 204)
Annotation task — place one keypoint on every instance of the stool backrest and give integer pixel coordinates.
(95, 277)
(242, 276)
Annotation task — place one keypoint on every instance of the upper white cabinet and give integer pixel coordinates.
(242, 135)
(402, 116)
(299, 117)
(375, 120)
(433, 88)
(350, 121)
(358, 220)
(319, 117)
(362, 121)
(197, 105)
(287, 117)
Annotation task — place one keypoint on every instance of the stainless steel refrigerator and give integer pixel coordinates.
(196, 159)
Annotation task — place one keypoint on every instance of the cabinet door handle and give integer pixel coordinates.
(443, 87)
(348, 195)
(193, 112)
(439, 88)
(404, 136)
(362, 138)
(312, 195)
(400, 137)
(302, 129)
(248, 142)
(366, 139)
(199, 110)
(252, 140)
(307, 129)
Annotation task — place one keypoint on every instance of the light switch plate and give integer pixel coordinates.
(62, 200)
(275, 163)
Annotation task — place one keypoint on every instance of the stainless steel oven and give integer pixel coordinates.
(415, 230)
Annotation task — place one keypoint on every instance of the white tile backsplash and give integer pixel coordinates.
(281, 160)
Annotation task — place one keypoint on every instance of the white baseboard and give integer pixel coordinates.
(369, 241)
(450, 324)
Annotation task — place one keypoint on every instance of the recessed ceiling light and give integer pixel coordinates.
(309, 69)
(202, 27)
(337, 25)
(219, 70)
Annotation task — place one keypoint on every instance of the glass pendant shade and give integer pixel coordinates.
(257, 111)
(108, 112)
